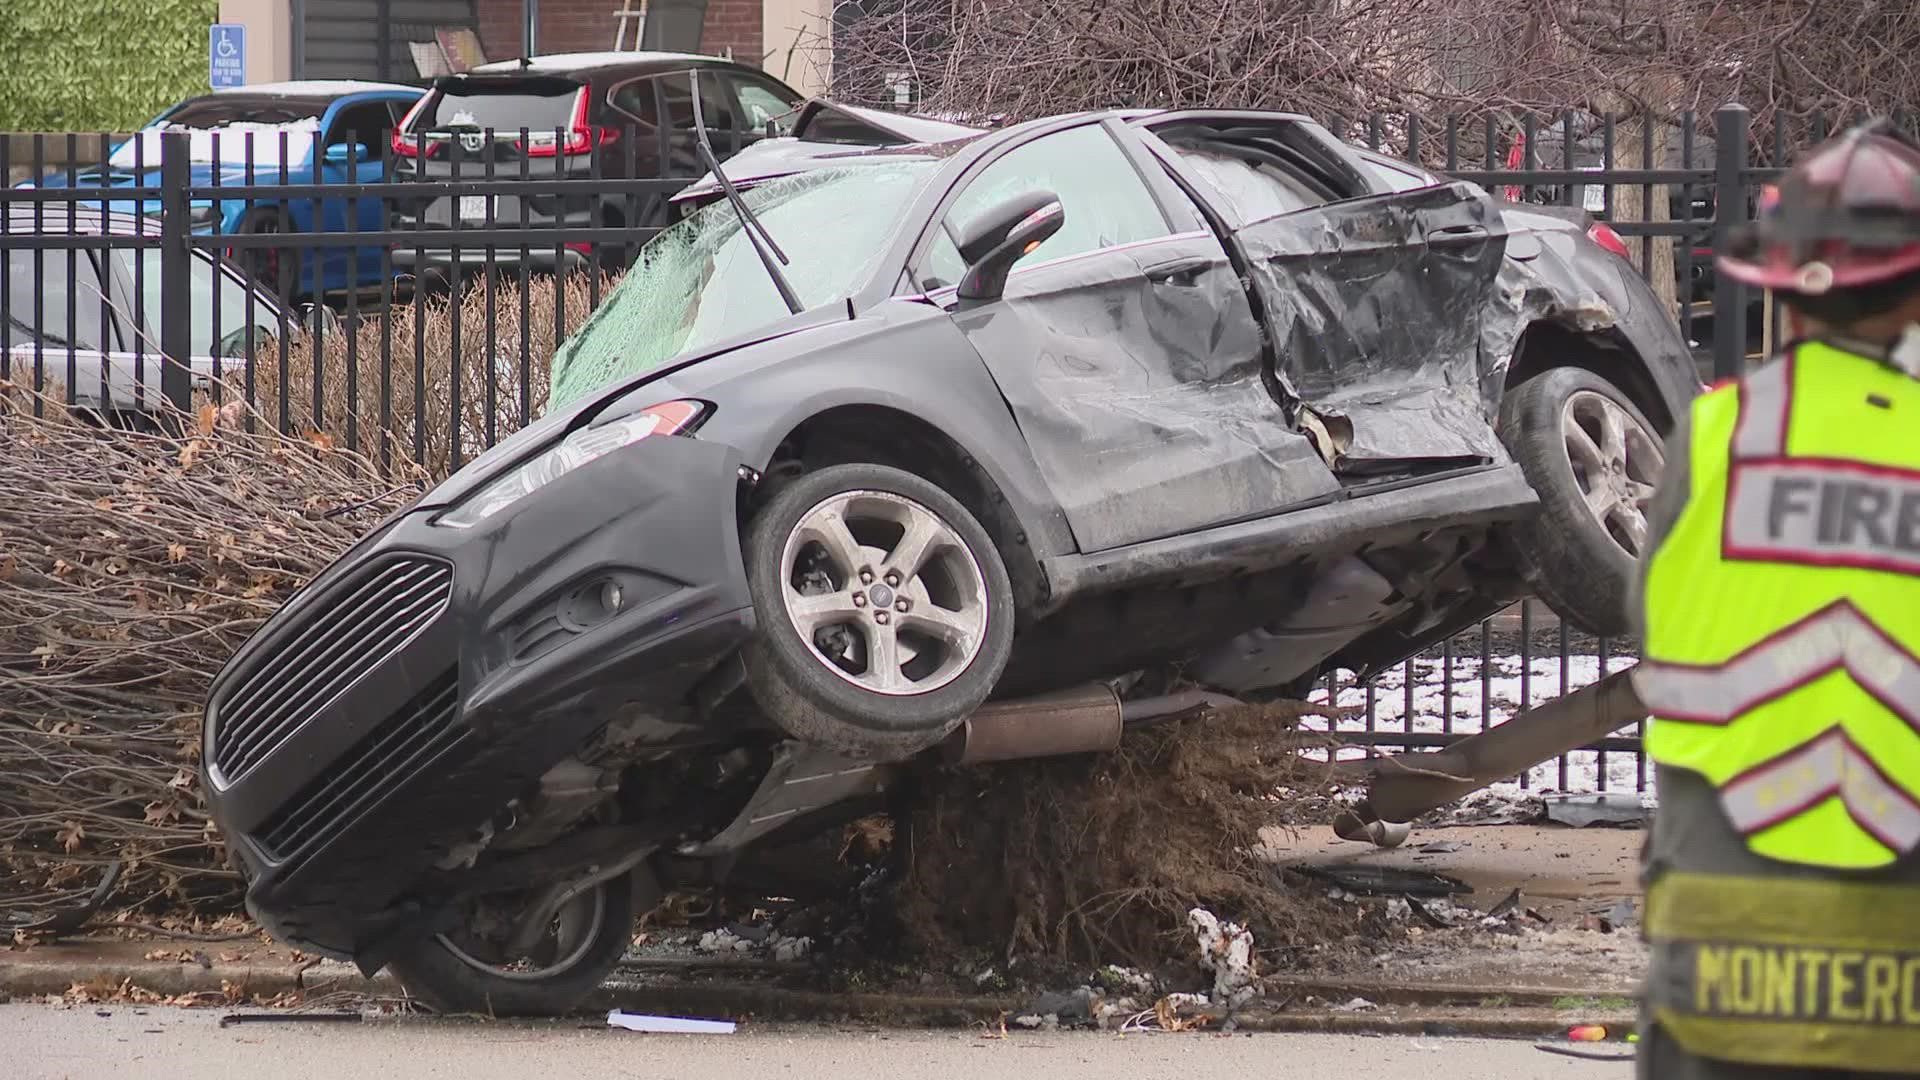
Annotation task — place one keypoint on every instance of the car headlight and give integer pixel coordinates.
(578, 448)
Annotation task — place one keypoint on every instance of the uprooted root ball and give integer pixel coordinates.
(1094, 860)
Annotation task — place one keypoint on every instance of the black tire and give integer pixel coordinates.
(793, 684)
(276, 270)
(446, 983)
(1569, 558)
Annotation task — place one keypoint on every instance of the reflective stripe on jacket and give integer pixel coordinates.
(1782, 611)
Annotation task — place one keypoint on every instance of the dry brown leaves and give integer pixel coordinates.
(135, 565)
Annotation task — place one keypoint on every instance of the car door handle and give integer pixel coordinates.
(1181, 272)
(1458, 234)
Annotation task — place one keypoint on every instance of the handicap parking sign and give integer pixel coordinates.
(226, 55)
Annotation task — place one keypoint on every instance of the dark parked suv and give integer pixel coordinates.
(617, 115)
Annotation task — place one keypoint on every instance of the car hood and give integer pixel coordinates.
(512, 451)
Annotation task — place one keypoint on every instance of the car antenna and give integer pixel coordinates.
(756, 232)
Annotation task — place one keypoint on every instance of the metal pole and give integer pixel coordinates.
(1731, 130)
(176, 264)
(530, 27)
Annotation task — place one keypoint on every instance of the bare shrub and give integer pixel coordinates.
(136, 567)
(445, 385)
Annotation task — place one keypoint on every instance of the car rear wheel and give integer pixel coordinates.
(1594, 459)
(473, 970)
(272, 267)
(885, 613)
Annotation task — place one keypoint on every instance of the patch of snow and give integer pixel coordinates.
(1429, 695)
(318, 88)
(553, 62)
(234, 148)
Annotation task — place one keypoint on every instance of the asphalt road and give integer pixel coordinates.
(45, 1042)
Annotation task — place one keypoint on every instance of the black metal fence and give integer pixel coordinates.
(410, 313)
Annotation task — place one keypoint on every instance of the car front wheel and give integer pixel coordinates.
(1594, 459)
(475, 970)
(885, 613)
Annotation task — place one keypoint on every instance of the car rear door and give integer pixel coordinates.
(1126, 349)
(1373, 298)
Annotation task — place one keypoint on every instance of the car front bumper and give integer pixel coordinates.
(433, 674)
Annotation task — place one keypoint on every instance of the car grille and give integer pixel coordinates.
(357, 627)
(386, 758)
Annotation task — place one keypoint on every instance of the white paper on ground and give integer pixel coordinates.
(668, 1025)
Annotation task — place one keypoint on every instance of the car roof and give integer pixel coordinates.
(313, 88)
(587, 63)
(77, 219)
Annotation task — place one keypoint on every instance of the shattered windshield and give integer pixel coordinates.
(700, 281)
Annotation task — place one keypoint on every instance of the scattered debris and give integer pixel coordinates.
(1598, 808)
(1439, 847)
(1358, 1004)
(1373, 880)
(1121, 979)
(1070, 1007)
(789, 949)
(724, 941)
(290, 1018)
(1489, 806)
(668, 1025)
(1584, 1055)
(1226, 949)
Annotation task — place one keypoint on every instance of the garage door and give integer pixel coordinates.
(367, 39)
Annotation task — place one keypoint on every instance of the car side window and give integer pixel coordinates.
(41, 308)
(636, 99)
(676, 92)
(761, 100)
(204, 336)
(1106, 202)
(369, 124)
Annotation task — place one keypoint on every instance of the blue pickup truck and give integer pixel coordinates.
(286, 133)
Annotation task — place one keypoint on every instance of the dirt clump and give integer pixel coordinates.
(1094, 860)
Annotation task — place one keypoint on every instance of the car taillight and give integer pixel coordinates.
(405, 146)
(581, 137)
(1601, 234)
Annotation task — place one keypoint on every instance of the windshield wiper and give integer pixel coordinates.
(756, 232)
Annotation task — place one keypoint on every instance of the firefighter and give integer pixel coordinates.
(1780, 610)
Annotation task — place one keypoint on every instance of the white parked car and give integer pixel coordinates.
(87, 318)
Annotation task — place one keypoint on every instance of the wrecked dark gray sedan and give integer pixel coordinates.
(985, 447)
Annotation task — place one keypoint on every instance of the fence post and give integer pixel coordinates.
(176, 263)
(1731, 131)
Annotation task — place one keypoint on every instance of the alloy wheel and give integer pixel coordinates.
(1616, 463)
(884, 592)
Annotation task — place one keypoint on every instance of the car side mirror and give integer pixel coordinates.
(337, 153)
(319, 318)
(1003, 236)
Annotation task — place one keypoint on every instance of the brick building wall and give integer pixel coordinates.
(588, 26)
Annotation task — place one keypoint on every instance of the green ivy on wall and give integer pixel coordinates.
(99, 65)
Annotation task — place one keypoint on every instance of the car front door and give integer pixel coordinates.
(1373, 298)
(1127, 350)
(353, 152)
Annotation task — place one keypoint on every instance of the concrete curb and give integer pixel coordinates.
(1399, 1008)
